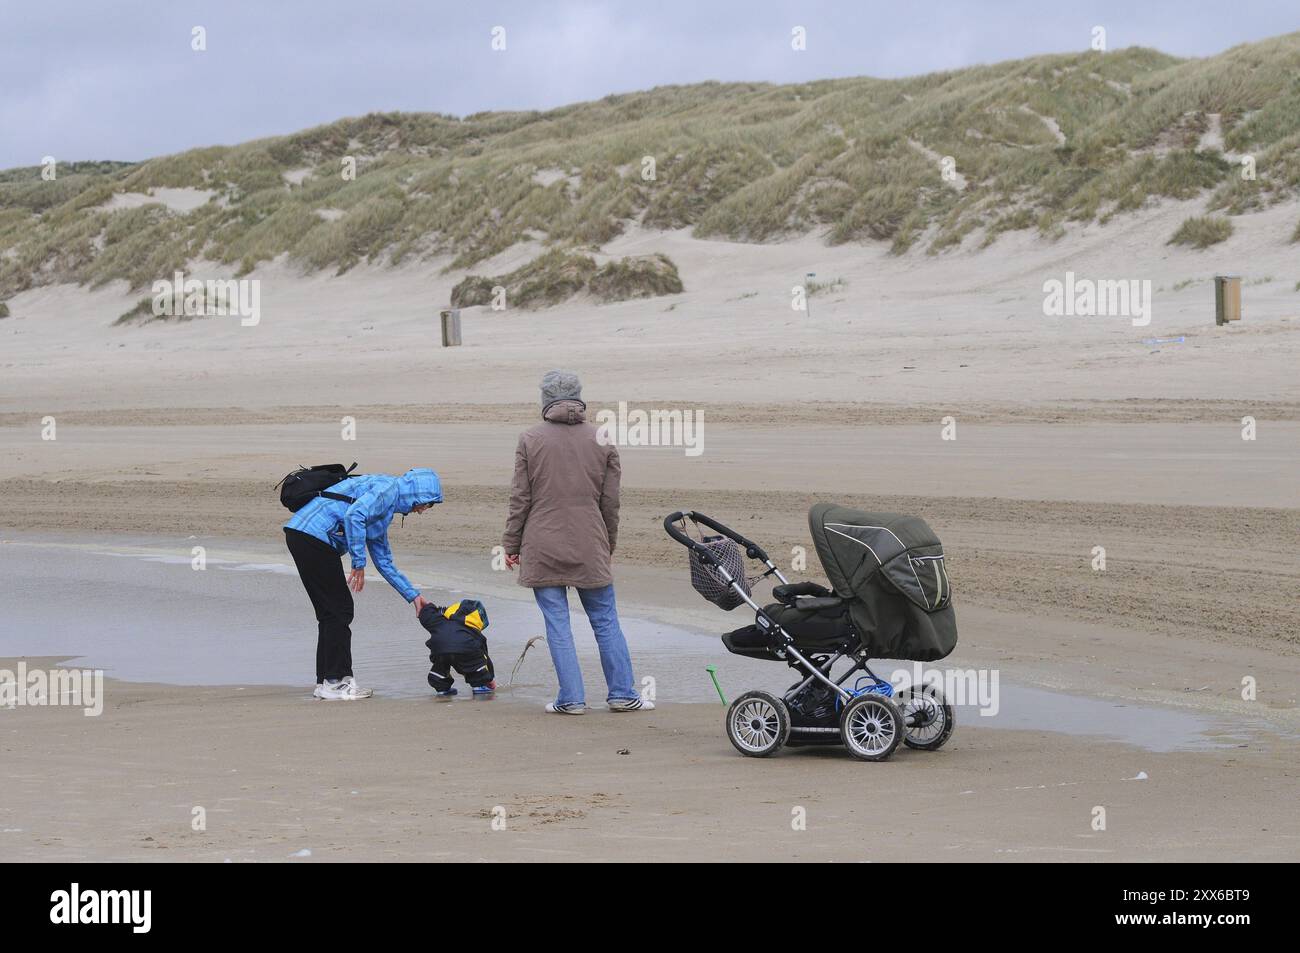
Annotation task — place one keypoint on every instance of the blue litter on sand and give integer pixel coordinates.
(1177, 340)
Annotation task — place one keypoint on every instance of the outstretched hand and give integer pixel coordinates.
(420, 602)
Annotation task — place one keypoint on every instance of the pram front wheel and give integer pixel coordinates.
(758, 723)
(928, 719)
(871, 726)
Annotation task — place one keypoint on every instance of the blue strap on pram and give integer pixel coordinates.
(877, 686)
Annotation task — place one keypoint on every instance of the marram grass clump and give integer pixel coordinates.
(642, 276)
(194, 304)
(1202, 231)
(546, 280)
(559, 275)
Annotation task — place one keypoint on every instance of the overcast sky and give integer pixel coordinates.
(89, 79)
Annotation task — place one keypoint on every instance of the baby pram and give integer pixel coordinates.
(890, 599)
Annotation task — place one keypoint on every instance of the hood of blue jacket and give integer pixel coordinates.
(416, 486)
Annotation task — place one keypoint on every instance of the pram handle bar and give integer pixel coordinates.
(752, 549)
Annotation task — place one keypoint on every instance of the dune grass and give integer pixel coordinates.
(544, 281)
(1202, 231)
(192, 305)
(558, 275)
(853, 159)
(141, 313)
(641, 276)
(815, 288)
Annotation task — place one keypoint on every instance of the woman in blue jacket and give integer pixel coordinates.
(325, 529)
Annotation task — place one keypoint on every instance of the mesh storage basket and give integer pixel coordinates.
(710, 584)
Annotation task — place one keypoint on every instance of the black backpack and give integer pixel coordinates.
(306, 483)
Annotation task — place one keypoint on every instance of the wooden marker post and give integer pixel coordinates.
(450, 327)
(1227, 298)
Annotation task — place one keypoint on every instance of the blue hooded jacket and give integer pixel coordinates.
(354, 528)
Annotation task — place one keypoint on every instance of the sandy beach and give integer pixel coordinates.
(1071, 434)
(411, 780)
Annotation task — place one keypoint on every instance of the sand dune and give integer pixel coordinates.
(960, 329)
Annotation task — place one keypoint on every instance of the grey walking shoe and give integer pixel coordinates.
(569, 708)
(630, 704)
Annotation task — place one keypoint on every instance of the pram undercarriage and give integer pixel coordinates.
(812, 630)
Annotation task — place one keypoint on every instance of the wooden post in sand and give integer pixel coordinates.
(450, 327)
(1227, 298)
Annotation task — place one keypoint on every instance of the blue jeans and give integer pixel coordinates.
(603, 616)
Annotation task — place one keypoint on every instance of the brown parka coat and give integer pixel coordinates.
(563, 516)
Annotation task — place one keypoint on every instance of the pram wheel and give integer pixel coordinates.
(871, 726)
(758, 723)
(928, 719)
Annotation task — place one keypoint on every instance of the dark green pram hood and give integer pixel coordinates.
(891, 569)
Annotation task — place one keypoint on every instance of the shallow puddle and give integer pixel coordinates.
(144, 614)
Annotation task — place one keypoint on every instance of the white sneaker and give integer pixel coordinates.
(630, 704)
(344, 689)
(569, 708)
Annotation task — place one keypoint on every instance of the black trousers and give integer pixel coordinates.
(475, 667)
(321, 572)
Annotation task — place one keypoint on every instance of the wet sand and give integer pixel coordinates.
(276, 775)
(1152, 732)
(1020, 507)
(242, 620)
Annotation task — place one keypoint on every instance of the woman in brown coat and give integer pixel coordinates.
(561, 531)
